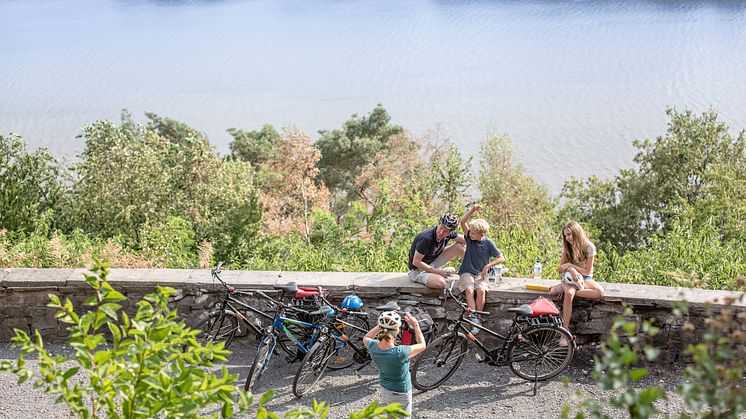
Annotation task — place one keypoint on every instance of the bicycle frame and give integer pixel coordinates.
(496, 355)
(513, 332)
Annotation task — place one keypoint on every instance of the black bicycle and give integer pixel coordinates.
(535, 348)
(222, 323)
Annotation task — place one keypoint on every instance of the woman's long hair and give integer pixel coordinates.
(389, 334)
(576, 251)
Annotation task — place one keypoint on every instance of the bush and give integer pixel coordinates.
(713, 385)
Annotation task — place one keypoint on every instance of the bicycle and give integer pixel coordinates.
(532, 347)
(222, 323)
(321, 355)
(290, 328)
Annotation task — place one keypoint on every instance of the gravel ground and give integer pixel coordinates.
(474, 391)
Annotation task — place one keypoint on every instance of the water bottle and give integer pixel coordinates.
(537, 270)
(499, 273)
(491, 274)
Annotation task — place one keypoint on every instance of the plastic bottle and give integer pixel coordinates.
(491, 274)
(537, 270)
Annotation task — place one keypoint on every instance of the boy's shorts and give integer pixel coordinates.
(467, 280)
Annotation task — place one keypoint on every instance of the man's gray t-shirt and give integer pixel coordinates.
(428, 245)
(478, 254)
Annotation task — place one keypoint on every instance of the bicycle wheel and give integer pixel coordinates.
(439, 361)
(261, 362)
(313, 365)
(345, 354)
(537, 354)
(217, 326)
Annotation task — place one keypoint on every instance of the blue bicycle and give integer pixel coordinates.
(306, 336)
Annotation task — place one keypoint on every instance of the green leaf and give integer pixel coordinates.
(267, 396)
(227, 410)
(638, 373)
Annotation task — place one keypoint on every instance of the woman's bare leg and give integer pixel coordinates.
(592, 291)
(567, 305)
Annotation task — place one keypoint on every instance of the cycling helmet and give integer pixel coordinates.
(449, 221)
(389, 320)
(352, 302)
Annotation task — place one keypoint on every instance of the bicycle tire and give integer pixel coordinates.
(313, 366)
(537, 355)
(217, 326)
(345, 355)
(439, 361)
(261, 362)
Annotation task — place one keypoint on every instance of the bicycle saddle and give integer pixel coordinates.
(524, 310)
(289, 287)
(390, 306)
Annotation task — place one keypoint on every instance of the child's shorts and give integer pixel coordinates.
(467, 280)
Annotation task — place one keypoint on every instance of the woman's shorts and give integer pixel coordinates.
(467, 280)
(405, 399)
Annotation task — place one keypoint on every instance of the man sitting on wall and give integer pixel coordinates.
(430, 251)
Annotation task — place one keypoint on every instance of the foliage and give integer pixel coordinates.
(29, 183)
(291, 192)
(143, 372)
(712, 385)
(170, 244)
(684, 247)
(452, 174)
(676, 172)
(509, 196)
(714, 382)
(169, 170)
(344, 151)
(617, 368)
(255, 147)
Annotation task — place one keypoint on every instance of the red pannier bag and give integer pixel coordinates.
(542, 307)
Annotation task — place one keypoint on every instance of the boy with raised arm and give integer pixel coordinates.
(476, 263)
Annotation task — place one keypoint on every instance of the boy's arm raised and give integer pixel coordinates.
(468, 215)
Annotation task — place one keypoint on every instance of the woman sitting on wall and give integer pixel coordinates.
(576, 268)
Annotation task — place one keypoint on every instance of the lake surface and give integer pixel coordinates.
(572, 83)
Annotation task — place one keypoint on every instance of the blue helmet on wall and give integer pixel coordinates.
(352, 302)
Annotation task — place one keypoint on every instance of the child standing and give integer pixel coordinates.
(473, 272)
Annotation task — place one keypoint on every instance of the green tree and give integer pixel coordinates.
(130, 175)
(255, 147)
(509, 196)
(676, 172)
(30, 184)
(344, 151)
(453, 177)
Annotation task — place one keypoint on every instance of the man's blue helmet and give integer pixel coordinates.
(352, 302)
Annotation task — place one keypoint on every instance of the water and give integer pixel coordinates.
(571, 83)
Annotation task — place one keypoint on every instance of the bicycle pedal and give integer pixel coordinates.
(479, 357)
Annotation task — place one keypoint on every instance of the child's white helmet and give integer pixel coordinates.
(389, 320)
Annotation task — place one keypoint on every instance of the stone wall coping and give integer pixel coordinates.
(509, 289)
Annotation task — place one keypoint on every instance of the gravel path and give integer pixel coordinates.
(474, 391)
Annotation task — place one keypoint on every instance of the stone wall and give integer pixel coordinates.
(24, 295)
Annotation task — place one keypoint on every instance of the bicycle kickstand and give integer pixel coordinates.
(363, 365)
(536, 380)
